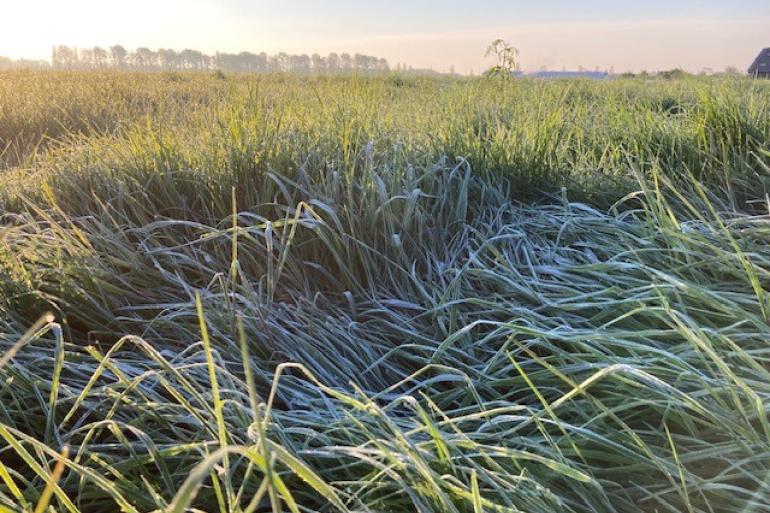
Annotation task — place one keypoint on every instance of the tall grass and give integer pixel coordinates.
(540, 135)
(328, 295)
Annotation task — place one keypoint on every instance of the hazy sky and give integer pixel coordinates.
(626, 34)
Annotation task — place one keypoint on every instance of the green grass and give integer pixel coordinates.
(383, 294)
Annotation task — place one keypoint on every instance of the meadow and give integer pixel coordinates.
(248, 293)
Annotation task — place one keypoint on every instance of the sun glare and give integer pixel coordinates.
(31, 29)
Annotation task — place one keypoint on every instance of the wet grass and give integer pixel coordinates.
(384, 295)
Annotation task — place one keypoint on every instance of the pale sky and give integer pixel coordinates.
(625, 34)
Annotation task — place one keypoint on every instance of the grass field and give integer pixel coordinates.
(387, 294)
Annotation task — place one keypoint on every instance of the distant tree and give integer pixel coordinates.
(99, 56)
(280, 62)
(63, 57)
(318, 63)
(168, 59)
(70, 56)
(333, 63)
(346, 63)
(143, 58)
(246, 61)
(672, 74)
(195, 59)
(299, 63)
(118, 55)
(261, 62)
(191, 59)
(360, 63)
(85, 58)
(232, 62)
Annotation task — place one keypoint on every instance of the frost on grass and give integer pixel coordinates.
(289, 306)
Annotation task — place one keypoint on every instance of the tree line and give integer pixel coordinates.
(145, 59)
(164, 59)
(8, 63)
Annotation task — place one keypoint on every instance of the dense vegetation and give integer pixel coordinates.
(383, 294)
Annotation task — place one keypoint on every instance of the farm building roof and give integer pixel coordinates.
(761, 65)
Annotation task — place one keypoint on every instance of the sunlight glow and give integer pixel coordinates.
(619, 38)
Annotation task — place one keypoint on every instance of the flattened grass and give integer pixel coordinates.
(303, 297)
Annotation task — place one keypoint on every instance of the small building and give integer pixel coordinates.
(761, 66)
